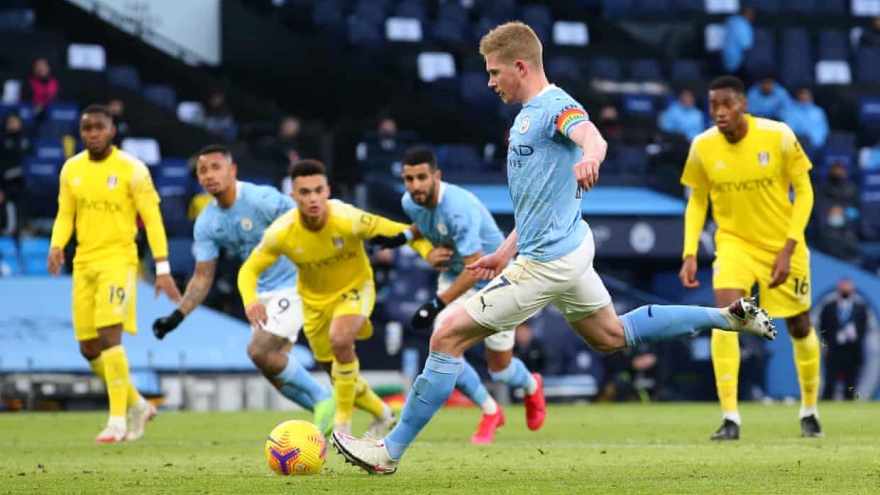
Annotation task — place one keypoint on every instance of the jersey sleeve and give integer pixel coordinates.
(694, 175)
(261, 258)
(565, 115)
(204, 247)
(62, 229)
(796, 161)
(146, 200)
(277, 203)
(367, 225)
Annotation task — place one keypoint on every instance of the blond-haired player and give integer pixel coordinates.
(553, 155)
(325, 240)
(746, 166)
(102, 191)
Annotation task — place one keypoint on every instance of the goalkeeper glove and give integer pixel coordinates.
(164, 326)
(385, 242)
(424, 317)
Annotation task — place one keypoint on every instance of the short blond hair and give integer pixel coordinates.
(513, 41)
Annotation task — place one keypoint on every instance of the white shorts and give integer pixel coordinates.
(284, 311)
(570, 283)
(501, 341)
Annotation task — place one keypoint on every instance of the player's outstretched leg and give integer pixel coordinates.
(511, 371)
(472, 387)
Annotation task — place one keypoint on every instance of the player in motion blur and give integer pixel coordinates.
(102, 191)
(554, 153)
(236, 220)
(462, 228)
(325, 240)
(745, 166)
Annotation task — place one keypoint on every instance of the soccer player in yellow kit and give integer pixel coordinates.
(325, 240)
(746, 166)
(102, 191)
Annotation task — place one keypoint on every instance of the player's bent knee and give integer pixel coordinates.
(258, 353)
(90, 349)
(799, 326)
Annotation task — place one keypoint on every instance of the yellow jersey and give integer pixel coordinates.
(330, 261)
(749, 184)
(102, 200)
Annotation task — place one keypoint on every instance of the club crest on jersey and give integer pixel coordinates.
(338, 242)
(524, 124)
(441, 227)
(763, 158)
(111, 182)
(247, 224)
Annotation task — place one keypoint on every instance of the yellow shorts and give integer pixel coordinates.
(103, 296)
(318, 319)
(740, 266)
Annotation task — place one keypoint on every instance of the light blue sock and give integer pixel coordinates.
(299, 396)
(296, 376)
(655, 323)
(470, 385)
(516, 375)
(427, 395)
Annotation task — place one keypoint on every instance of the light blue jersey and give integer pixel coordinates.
(460, 222)
(240, 228)
(540, 170)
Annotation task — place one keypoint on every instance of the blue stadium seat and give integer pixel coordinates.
(372, 11)
(796, 68)
(499, 11)
(481, 27)
(8, 249)
(795, 39)
(833, 45)
(180, 255)
(869, 113)
(839, 7)
(174, 213)
(63, 111)
(868, 65)
(653, 8)
(34, 246)
(414, 9)
(562, 68)
(172, 178)
(635, 104)
(841, 139)
(688, 6)
(686, 70)
(447, 30)
(472, 87)
(606, 68)
(365, 33)
(453, 12)
(632, 160)
(801, 6)
(462, 157)
(327, 14)
(539, 18)
(870, 221)
(645, 70)
(41, 180)
(764, 6)
(24, 110)
(618, 9)
(16, 19)
(762, 57)
(836, 154)
(162, 95)
(49, 149)
(125, 76)
(56, 130)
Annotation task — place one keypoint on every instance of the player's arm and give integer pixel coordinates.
(584, 133)
(62, 229)
(386, 242)
(376, 226)
(798, 169)
(694, 177)
(491, 265)
(260, 259)
(146, 201)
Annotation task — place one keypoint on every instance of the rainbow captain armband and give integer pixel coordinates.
(569, 119)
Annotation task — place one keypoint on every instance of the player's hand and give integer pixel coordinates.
(489, 266)
(256, 314)
(165, 325)
(688, 273)
(164, 283)
(586, 173)
(781, 269)
(55, 261)
(425, 315)
(439, 258)
(386, 242)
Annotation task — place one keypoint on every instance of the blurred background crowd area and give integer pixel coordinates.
(355, 83)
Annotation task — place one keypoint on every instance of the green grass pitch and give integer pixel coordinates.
(582, 449)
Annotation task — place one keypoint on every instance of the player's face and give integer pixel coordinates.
(96, 131)
(311, 193)
(504, 78)
(726, 107)
(216, 172)
(421, 182)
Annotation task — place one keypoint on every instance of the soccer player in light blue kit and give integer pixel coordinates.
(462, 229)
(554, 153)
(236, 220)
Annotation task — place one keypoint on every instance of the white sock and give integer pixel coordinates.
(809, 411)
(386, 411)
(532, 386)
(733, 416)
(117, 422)
(489, 406)
(140, 404)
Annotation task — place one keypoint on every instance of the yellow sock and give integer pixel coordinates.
(345, 377)
(807, 354)
(132, 395)
(725, 362)
(117, 379)
(366, 399)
